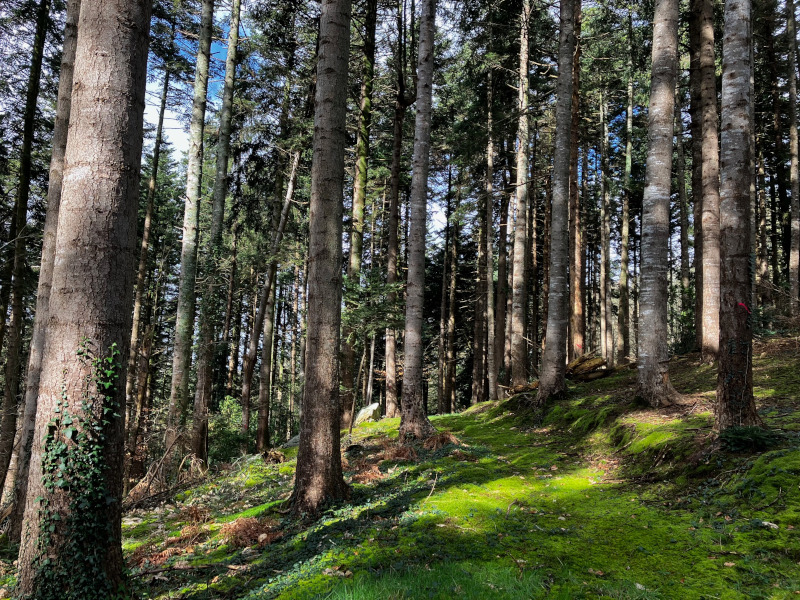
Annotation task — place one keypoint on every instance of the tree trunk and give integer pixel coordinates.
(450, 361)
(144, 250)
(233, 317)
(576, 287)
(696, 111)
(90, 308)
(393, 244)
(491, 362)
(295, 332)
(519, 286)
(318, 477)
(12, 372)
(249, 363)
(794, 251)
(60, 128)
(479, 302)
(414, 422)
(606, 328)
(501, 303)
(735, 405)
(764, 288)
(208, 304)
(683, 205)
(552, 381)
(624, 315)
(359, 202)
(444, 305)
(184, 319)
(653, 384)
(392, 251)
(265, 374)
(710, 183)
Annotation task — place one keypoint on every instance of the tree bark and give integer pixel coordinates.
(233, 316)
(735, 404)
(576, 288)
(764, 295)
(450, 362)
(794, 176)
(683, 205)
(606, 328)
(491, 356)
(552, 381)
(519, 285)
(265, 374)
(184, 319)
(444, 305)
(359, 202)
(653, 384)
(624, 315)
(318, 477)
(479, 387)
(710, 183)
(13, 365)
(696, 111)
(211, 270)
(91, 298)
(55, 182)
(502, 299)
(414, 422)
(144, 250)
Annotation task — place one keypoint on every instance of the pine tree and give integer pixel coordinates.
(90, 304)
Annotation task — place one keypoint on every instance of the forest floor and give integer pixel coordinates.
(604, 499)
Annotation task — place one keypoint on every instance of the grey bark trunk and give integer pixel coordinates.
(519, 285)
(552, 381)
(606, 328)
(318, 477)
(12, 373)
(695, 110)
(414, 422)
(265, 374)
(249, 363)
(624, 315)
(710, 181)
(491, 356)
(683, 204)
(735, 405)
(144, 251)
(91, 298)
(450, 363)
(794, 176)
(653, 384)
(577, 328)
(184, 319)
(208, 301)
(359, 203)
(60, 129)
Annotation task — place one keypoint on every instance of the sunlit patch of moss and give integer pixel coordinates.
(139, 530)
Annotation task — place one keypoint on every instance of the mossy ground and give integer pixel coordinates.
(603, 499)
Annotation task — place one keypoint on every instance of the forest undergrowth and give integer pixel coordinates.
(603, 499)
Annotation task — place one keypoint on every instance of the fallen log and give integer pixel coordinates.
(588, 366)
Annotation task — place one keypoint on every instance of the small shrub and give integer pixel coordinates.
(748, 439)
(225, 432)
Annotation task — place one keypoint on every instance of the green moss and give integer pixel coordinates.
(605, 500)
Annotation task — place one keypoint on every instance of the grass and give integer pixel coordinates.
(604, 499)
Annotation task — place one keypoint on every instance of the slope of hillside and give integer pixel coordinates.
(604, 499)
